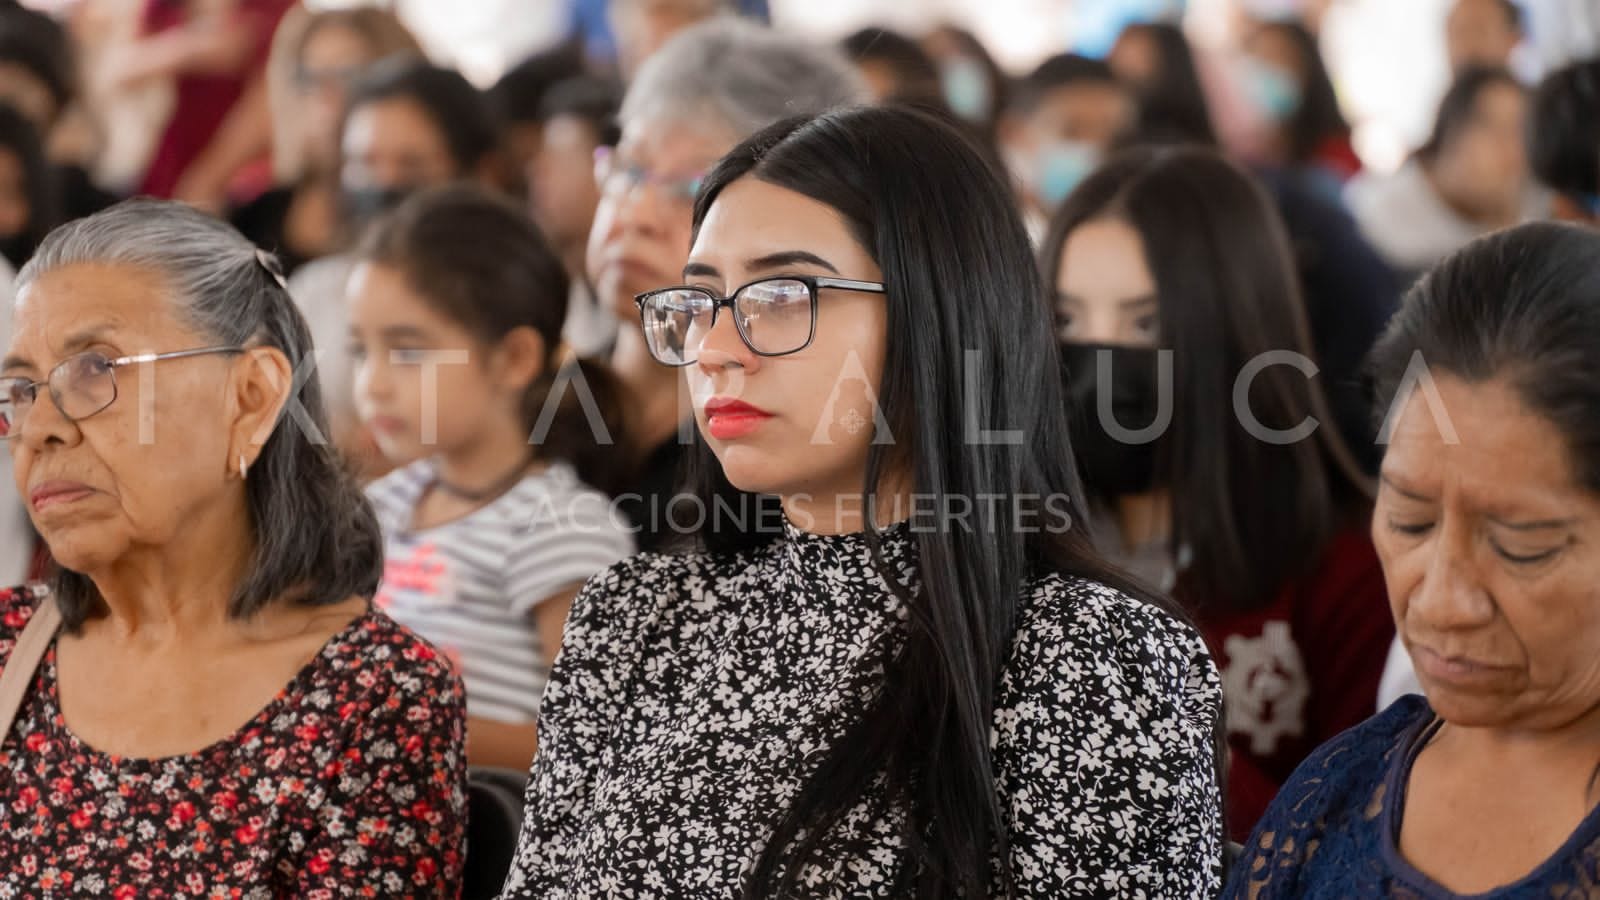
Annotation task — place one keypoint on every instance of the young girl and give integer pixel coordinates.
(490, 526)
(922, 682)
(1256, 525)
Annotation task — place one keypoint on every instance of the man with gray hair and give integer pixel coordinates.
(710, 87)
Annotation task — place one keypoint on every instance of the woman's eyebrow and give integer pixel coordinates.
(790, 258)
(75, 341)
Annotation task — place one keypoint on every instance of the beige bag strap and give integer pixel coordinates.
(26, 654)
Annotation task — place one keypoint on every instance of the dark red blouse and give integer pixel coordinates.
(350, 783)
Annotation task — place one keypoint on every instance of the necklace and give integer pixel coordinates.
(481, 495)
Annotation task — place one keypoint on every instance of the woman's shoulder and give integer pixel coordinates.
(1347, 769)
(375, 654)
(1101, 618)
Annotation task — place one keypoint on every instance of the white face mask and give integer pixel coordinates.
(1055, 169)
(966, 88)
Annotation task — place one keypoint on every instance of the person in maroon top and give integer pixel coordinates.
(220, 710)
(1202, 431)
(215, 52)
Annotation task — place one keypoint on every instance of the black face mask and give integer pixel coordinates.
(363, 204)
(1113, 466)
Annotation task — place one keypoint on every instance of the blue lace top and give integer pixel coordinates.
(1333, 831)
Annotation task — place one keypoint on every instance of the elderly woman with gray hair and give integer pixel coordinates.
(202, 699)
(708, 88)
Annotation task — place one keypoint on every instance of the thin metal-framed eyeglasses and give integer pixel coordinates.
(774, 316)
(80, 385)
(614, 174)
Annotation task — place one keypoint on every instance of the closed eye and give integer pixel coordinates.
(1411, 529)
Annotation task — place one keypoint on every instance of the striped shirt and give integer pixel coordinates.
(470, 586)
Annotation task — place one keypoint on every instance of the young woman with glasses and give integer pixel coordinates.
(919, 680)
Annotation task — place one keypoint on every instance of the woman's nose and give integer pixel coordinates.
(722, 348)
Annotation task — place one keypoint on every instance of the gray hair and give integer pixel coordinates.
(741, 75)
(317, 540)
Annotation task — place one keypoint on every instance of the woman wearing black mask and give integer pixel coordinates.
(1192, 393)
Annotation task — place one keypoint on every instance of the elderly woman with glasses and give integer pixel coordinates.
(202, 698)
(709, 87)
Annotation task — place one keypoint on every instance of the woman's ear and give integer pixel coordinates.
(520, 359)
(262, 383)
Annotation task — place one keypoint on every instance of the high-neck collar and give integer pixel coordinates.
(836, 561)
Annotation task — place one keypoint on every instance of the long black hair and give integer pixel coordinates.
(1318, 119)
(40, 188)
(482, 263)
(963, 299)
(1518, 305)
(1253, 514)
(1172, 105)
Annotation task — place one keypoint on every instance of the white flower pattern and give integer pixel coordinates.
(693, 694)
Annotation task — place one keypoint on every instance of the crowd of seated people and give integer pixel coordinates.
(717, 462)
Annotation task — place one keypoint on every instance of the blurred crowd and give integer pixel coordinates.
(1204, 200)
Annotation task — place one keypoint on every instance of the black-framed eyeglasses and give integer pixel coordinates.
(80, 385)
(774, 316)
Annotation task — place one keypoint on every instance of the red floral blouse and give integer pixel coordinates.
(350, 783)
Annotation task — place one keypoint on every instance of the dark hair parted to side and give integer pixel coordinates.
(1521, 305)
(1063, 70)
(463, 115)
(1318, 119)
(1253, 514)
(482, 263)
(963, 299)
(317, 540)
(1460, 106)
(1564, 132)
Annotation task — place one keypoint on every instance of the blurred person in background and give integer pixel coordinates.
(975, 88)
(641, 27)
(1065, 117)
(1470, 178)
(315, 58)
(580, 121)
(1158, 60)
(518, 98)
(39, 78)
(215, 52)
(896, 67)
(493, 520)
(408, 125)
(1257, 525)
(29, 196)
(1482, 34)
(1564, 140)
(709, 88)
(1286, 82)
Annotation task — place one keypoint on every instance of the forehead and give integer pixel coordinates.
(752, 218)
(1502, 450)
(133, 304)
(393, 120)
(664, 143)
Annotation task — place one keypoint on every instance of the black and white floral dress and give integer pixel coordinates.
(694, 694)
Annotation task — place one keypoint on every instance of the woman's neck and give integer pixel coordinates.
(1144, 519)
(843, 509)
(658, 398)
(182, 588)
